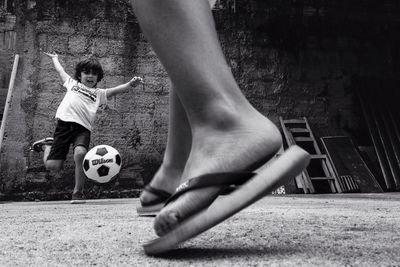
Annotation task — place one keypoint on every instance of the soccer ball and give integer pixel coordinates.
(102, 164)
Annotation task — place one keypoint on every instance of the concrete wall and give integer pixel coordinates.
(291, 58)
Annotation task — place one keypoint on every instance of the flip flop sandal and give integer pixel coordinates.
(226, 181)
(292, 162)
(151, 208)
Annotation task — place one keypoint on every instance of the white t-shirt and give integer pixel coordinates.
(80, 103)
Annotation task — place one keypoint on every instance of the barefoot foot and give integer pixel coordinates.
(244, 147)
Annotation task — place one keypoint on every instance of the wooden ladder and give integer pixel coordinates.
(298, 132)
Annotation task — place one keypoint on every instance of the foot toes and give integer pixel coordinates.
(166, 222)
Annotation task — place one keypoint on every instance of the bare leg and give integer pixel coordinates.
(177, 150)
(179, 142)
(46, 153)
(228, 133)
(79, 154)
(56, 165)
(53, 165)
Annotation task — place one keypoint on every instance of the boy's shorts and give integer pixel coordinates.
(68, 133)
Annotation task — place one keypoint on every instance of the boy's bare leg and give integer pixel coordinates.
(46, 153)
(79, 179)
(54, 165)
(228, 133)
(179, 142)
(79, 154)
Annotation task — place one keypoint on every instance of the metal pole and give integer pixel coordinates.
(8, 101)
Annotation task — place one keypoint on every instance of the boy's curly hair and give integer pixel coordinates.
(89, 65)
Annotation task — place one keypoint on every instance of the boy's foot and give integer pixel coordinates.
(38, 145)
(78, 198)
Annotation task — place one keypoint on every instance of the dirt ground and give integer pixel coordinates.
(291, 230)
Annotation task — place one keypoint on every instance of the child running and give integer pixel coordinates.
(75, 118)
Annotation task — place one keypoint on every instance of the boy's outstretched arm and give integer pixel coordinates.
(135, 81)
(64, 76)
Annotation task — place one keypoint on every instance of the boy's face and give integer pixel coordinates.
(89, 79)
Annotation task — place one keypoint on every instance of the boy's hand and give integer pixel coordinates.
(136, 81)
(52, 55)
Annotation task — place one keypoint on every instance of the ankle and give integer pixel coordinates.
(171, 165)
(167, 177)
(219, 116)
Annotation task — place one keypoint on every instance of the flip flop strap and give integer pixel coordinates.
(161, 194)
(220, 179)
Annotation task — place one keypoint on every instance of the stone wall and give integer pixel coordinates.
(291, 58)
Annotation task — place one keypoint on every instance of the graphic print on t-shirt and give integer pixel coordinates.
(85, 92)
